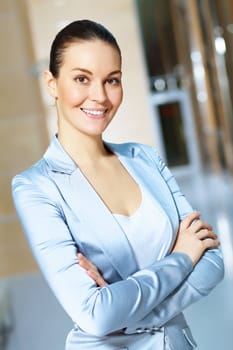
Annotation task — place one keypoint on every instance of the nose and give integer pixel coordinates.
(97, 92)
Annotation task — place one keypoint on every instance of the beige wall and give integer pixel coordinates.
(21, 136)
(27, 28)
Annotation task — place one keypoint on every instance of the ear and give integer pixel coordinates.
(50, 83)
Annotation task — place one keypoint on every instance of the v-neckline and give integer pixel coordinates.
(138, 209)
(119, 157)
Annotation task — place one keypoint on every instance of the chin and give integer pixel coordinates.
(94, 132)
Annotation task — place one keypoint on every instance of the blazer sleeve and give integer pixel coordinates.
(210, 269)
(97, 311)
(182, 205)
(207, 273)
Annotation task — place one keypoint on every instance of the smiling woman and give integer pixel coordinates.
(87, 89)
(118, 243)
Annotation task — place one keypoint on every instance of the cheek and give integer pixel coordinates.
(116, 98)
(71, 97)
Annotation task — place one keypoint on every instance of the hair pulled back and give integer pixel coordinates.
(81, 30)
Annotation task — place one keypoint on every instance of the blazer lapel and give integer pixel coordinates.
(98, 221)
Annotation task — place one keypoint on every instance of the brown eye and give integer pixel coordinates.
(81, 79)
(113, 81)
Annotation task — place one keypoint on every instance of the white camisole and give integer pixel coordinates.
(148, 230)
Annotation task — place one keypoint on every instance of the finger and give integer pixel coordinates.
(189, 219)
(83, 259)
(200, 224)
(95, 275)
(92, 270)
(85, 263)
(210, 243)
(204, 233)
(81, 256)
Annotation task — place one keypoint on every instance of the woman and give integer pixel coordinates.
(119, 245)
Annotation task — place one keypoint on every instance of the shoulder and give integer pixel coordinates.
(35, 186)
(39, 171)
(32, 178)
(36, 171)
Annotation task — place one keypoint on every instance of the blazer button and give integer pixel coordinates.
(139, 330)
(147, 330)
(167, 341)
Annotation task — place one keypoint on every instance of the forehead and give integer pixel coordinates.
(91, 54)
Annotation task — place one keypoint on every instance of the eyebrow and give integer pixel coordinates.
(84, 70)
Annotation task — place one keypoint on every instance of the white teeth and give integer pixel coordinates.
(88, 111)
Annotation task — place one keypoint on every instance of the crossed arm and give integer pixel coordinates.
(197, 240)
(193, 239)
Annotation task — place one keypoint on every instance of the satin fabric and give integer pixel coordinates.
(62, 214)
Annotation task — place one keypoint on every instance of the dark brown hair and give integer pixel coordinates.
(81, 30)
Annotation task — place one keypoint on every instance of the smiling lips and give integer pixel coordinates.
(94, 113)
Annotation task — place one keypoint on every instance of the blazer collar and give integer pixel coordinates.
(59, 160)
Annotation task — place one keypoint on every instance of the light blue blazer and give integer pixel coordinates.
(140, 309)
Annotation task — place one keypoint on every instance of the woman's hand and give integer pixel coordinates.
(194, 237)
(92, 270)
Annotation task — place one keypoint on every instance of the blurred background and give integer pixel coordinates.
(178, 83)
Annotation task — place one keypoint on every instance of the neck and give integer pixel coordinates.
(83, 149)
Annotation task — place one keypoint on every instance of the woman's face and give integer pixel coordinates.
(88, 90)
